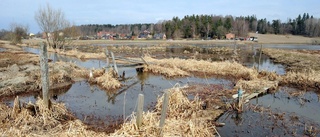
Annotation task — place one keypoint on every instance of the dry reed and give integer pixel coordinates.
(226, 68)
(168, 72)
(303, 80)
(37, 120)
(104, 80)
(304, 68)
(295, 60)
(182, 119)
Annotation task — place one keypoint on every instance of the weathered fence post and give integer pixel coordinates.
(107, 58)
(55, 57)
(240, 92)
(140, 110)
(124, 106)
(141, 51)
(114, 63)
(260, 58)
(44, 73)
(164, 110)
(235, 48)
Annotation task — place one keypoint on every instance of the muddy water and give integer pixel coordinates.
(2, 49)
(278, 114)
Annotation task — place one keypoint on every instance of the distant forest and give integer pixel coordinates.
(212, 26)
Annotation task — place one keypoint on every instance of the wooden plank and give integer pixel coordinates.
(252, 96)
(129, 60)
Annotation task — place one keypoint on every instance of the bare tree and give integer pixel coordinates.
(52, 22)
(18, 32)
(158, 27)
(241, 27)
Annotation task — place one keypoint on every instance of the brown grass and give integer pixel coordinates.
(303, 67)
(106, 81)
(183, 119)
(37, 120)
(226, 68)
(303, 80)
(168, 72)
(27, 78)
(295, 60)
(83, 55)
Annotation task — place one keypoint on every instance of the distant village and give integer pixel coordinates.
(142, 35)
(106, 35)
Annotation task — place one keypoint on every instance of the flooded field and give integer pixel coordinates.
(277, 114)
(281, 113)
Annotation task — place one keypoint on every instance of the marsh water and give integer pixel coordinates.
(2, 49)
(278, 114)
(94, 105)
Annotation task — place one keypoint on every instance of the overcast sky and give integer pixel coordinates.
(151, 11)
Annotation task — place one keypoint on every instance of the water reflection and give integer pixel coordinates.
(266, 64)
(92, 63)
(2, 49)
(262, 113)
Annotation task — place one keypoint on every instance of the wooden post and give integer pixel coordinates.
(140, 110)
(114, 63)
(124, 107)
(235, 48)
(240, 99)
(107, 58)
(44, 73)
(164, 110)
(55, 57)
(141, 51)
(260, 58)
(90, 74)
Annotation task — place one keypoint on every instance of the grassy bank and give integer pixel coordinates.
(303, 67)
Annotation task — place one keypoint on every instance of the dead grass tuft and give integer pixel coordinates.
(303, 80)
(105, 80)
(82, 55)
(295, 60)
(303, 66)
(168, 72)
(226, 68)
(37, 120)
(256, 85)
(182, 119)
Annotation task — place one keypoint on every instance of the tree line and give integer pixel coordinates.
(213, 26)
(188, 27)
